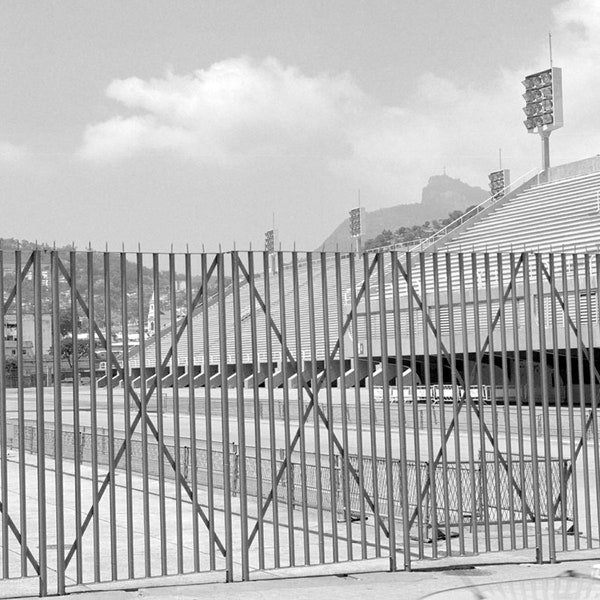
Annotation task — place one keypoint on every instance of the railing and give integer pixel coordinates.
(493, 199)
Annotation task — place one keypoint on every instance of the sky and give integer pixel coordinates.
(198, 124)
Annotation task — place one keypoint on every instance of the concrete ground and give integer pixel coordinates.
(471, 576)
(506, 575)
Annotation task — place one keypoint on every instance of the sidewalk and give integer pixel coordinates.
(428, 577)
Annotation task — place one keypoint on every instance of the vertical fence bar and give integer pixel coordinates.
(300, 391)
(437, 289)
(582, 400)
(21, 425)
(344, 510)
(570, 397)
(456, 396)
(208, 407)
(328, 366)
(160, 425)
(40, 424)
(387, 430)
(269, 323)
(412, 326)
(357, 407)
(256, 372)
(241, 422)
(146, 516)
(314, 375)
(558, 399)
(94, 414)
(431, 467)
(502, 298)
(176, 413)
(529, 320)
(76, 409)
(127, 415)
(371, 399)
(493, 400)
(480, 402)
(228, 516)
(58, 418)
(191, 362)
(519, 316)
(475, 499)
(3, 433)
(541, 300)
(289, 479)
(595, 319)
(402, 444)
(110, 418)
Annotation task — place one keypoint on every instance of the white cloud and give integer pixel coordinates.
(239, 110)
(12, 154)
(235, 110)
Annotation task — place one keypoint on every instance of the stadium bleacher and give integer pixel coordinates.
(559, 213)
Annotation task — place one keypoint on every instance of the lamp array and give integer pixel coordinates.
(543, 101)
(356, 220)
(499, 181)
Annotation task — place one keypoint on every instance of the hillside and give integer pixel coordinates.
(441, 196)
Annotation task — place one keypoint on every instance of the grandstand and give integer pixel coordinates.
(559, 215)
(504, 245)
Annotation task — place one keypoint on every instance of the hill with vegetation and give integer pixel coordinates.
(412, 235)
(441, 197)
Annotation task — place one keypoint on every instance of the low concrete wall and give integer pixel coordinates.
(574, 169)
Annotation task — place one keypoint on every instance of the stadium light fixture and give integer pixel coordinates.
(499, 181)
(357, 218)
(543, 106)
(271, 243)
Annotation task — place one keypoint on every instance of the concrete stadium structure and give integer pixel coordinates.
(553, 215)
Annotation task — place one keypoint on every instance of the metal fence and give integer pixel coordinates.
(193, 414)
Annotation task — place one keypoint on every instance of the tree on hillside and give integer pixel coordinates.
(405, 235)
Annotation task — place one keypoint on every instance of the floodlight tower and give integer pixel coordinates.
(357, 218)
(544, 106)
(271, 242)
